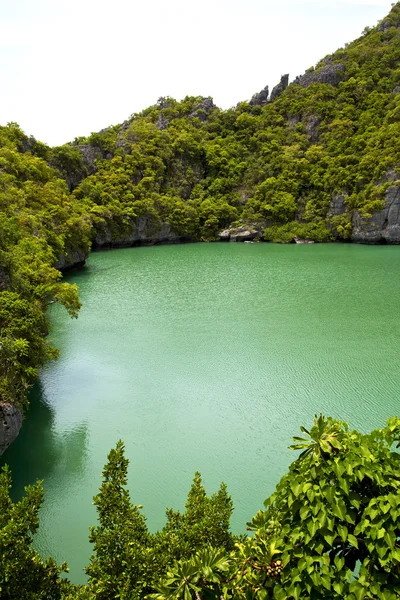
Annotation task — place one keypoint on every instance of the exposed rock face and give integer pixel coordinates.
(27, 144)
(281, 87)
(139, 232)
(10, 424)
(203, 109)
(383, 226)
(261, 98)
(331, 73)
(293, 120)
(312, 126)
(161, 122)
(385, 25)
(72, 260)
(89, 156)
(303, 241)
(121, 137)
(240, 234)
(337, 205)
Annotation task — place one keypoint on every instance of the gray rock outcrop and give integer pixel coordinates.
(89, 155)
(331, 73)
(337, 205)
(244, 233)
(203, 109)
(261, 98)
(162, 122)
(383, 226)
(10, 424)
(312, 127)
(138, 232)
(72, 260)
(385, 25)
(280, 88)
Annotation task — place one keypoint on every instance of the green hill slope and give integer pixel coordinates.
(316, 160)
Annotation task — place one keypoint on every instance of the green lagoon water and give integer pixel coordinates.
(205, 357)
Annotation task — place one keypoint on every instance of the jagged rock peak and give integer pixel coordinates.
(203, 109)
(330, 72)
(261, 98)
(281, 87)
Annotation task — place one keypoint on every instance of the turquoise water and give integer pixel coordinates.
(205, 357)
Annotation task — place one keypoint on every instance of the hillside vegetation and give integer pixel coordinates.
(307, 163)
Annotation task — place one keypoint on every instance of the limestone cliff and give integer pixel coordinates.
(10, 424)
(136, 232)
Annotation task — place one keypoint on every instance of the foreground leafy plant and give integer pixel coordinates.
(330, 531)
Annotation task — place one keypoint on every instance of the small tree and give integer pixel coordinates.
(116, 568)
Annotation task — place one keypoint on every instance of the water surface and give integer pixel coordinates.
(205, 357)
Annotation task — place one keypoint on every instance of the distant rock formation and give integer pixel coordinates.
(331, 73)
(383, 226)
(244, 233)
(261, 98)
(203, 109)
(281, 87)
(72, 260)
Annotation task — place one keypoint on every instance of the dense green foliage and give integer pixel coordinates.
(186, 170)
(39, 224)
(330, 530)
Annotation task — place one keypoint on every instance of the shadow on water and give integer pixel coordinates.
(39, 450)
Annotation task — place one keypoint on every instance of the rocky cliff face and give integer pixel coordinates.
(139, 232)
(280, 88)
(261, 98)
(10, 425)
(382, 227)
(330, 72)
(72, 260)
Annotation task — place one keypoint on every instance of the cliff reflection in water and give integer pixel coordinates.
(39, 450)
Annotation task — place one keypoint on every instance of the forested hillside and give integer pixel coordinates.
(315, 159)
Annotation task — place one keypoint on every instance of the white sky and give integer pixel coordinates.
(70, 67)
